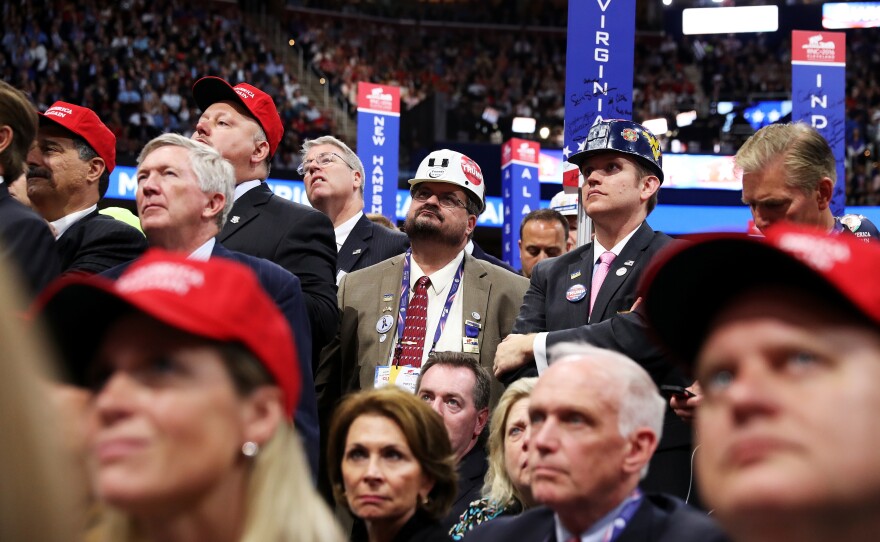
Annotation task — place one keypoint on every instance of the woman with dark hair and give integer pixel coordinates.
(392, 466)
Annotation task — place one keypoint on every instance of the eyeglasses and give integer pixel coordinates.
(446, 200)
(322, 160)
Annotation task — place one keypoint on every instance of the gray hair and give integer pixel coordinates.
(214, 173)
(482, 378)
(347, 154)
(805, 154)
(641, 404)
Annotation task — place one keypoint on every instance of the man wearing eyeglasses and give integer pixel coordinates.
(243, 124)
(334, 179)
(453, 302)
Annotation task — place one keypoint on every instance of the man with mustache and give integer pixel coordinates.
(451, 301)
(68, 173)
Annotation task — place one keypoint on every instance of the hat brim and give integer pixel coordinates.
(210, 90)
(579, 157)
(688, 286)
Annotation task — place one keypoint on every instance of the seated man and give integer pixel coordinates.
(596, 418)
(457, 387)
(786, 352)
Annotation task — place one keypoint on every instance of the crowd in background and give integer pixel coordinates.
(135, 64)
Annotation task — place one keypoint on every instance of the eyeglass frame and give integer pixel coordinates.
(301, 169)
(456, 203)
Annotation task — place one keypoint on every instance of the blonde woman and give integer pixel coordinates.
(506, 489)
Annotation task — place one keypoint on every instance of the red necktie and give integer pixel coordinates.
(599, 276)
(415, 326)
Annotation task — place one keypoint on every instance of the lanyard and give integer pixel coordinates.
(404, 303)
(626, 513)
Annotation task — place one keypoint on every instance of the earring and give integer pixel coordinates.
(250, 449)
(425, 500)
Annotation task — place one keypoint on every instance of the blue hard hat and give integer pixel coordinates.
(623, 136)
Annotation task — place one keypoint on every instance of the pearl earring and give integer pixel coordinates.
(250, 449)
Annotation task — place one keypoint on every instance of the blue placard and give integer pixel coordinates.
(521, 192)
(378, 136)
(818, 90)
(598, 67)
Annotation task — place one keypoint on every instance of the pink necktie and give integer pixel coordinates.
(599, 276)
(415, 325)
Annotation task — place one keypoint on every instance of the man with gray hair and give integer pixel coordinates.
(596, 418)
(184, 194)
(789, 173)
(334, 178)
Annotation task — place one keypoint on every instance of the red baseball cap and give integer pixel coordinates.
(85, 123)
(210, 90)
(216, 299)
(688, 286)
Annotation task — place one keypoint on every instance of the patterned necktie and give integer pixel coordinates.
(415, 326)
(599, 276)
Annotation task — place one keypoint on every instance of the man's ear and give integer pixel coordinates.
(640, 447)
(96, 169)
(824, 192)
(471, 224)
(215, 204)
(650, 185)
(261, 152)
(482, 420)
(6, 136)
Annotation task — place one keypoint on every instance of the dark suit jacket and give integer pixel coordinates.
(25, 238)
(98, 242)
(471, 472)
(369, 244)
(284, 289)
(660, 518)
(299, 239)
(611, 325)
(481, 254)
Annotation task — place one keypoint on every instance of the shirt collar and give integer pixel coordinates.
(598, 249)
(441, 278)
(344, 229)
(203, 253)
(243, 188)
(595, 532)
(65, 222)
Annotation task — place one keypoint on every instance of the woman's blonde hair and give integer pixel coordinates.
(498, 486)
(281, 503)
(424, 432)
(39, 488)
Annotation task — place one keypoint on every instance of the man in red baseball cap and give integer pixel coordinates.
(783, 336)
(242, 123)
(68, 173)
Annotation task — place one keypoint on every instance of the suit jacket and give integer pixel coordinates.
(610, 325)
(98, 242)
(659, 518)
(481, 254)
(369, 244)
(299, 239)
(471, 472)
(349, 362)
(25, 238)
(284, 289)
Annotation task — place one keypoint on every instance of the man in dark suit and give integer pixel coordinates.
(25, 238)
(334, 179)
(243, 124)
(588, 295)
(457, 388)
(183, 195)
(68, 173)
(595, 420)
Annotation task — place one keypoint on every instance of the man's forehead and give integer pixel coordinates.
(444, 379)
(321, 149)
(573, 384)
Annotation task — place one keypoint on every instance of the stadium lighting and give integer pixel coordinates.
(523, 125)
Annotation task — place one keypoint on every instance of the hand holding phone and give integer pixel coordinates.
(668, 390)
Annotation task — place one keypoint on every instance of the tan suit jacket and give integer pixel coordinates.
(348, 363)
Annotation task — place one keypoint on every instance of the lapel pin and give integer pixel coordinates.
(382, 337)
(235, 219)
(629, 262)
(384, 324)
(621, 272)
(387, 309)
(476, 315)
(387, 297)
(575, 275)
(356, 251)
(576, 293)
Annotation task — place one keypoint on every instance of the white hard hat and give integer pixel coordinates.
(565, 203)
(448, 166)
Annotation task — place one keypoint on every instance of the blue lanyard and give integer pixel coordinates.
(404, 303)
(626, 513)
